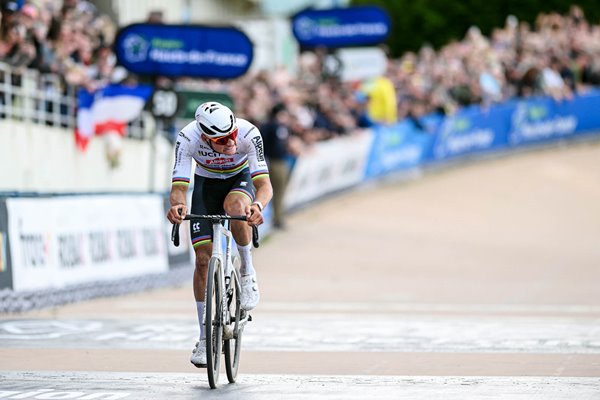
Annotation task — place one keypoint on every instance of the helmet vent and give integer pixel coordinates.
(211, 107)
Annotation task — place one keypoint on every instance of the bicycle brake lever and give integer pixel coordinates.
(175, 235)
(175, 231)
(255, 236)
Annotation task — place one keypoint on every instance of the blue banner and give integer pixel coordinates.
(397, 147)
(184, 50)
(341, 27)
(474, 130)
(544, 119)
(471, 131)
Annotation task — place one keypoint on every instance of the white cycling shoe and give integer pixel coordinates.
(250, 293)
(199, 354)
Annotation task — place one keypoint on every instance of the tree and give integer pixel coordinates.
(437, 22)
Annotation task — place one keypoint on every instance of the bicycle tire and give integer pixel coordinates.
(233, 347)
(213, 326)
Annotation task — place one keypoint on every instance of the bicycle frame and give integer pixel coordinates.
(222, 233)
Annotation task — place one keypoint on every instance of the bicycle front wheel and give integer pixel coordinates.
(233, 346)
(213, 325)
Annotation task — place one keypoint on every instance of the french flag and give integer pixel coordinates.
(108, 109)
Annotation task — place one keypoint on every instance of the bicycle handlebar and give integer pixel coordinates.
(213, 218)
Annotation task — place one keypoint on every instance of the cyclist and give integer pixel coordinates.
(231, 176)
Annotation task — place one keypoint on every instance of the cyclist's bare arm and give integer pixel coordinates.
(178, 209)
(264, 193)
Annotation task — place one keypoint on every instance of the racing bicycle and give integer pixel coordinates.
(224, 318)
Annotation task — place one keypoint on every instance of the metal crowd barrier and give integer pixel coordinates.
(26, 95)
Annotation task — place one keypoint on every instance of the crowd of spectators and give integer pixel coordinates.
(67, 37)
(558, 56)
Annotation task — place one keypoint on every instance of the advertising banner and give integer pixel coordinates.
(184, 50)
(62, 241)
(544, 119)
(471, 131)
(341, 27)
(5, 269)
(474, 130)
(330, 166)
(397, 147)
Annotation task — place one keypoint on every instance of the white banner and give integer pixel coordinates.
(329, 166)
(61, 241)
(362, 63)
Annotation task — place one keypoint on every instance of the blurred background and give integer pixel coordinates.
(437, 82)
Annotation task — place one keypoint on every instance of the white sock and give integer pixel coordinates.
(246, 258)
(200, 307)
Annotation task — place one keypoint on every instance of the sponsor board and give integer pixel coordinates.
(536, 121)
(62, 241)
(184, 50)
(473, 130)
(470, 131)
(330, 166)
(397, 147)
(5, 269)
(341, 27)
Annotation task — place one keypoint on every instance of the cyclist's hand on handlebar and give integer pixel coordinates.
(254, 215)
(176, 213)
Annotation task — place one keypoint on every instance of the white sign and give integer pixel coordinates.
(329, 166)
(362, 63)
(61, 241)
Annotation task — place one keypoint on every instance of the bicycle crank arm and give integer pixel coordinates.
(241, 325)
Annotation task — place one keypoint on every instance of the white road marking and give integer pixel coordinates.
(309, 332)
(103, 385)
(327, 332)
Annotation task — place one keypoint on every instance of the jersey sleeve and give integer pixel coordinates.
(183, 161)
(256, 156)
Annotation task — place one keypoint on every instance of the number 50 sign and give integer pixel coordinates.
(164, 103)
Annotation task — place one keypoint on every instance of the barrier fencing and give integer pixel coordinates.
(26, 95)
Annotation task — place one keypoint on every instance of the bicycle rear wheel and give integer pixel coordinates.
(233, 346)
(213, 325)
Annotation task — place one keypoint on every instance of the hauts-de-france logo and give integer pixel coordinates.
(136, 48)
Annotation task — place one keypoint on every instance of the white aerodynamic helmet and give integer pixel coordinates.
(215, 120)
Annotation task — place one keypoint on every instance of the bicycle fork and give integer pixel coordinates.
(231, 330)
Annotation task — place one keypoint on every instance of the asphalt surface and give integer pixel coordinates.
(480, 281)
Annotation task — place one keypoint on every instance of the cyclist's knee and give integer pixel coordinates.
(235, 205)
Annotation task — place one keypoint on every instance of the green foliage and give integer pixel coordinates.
(437, 22)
